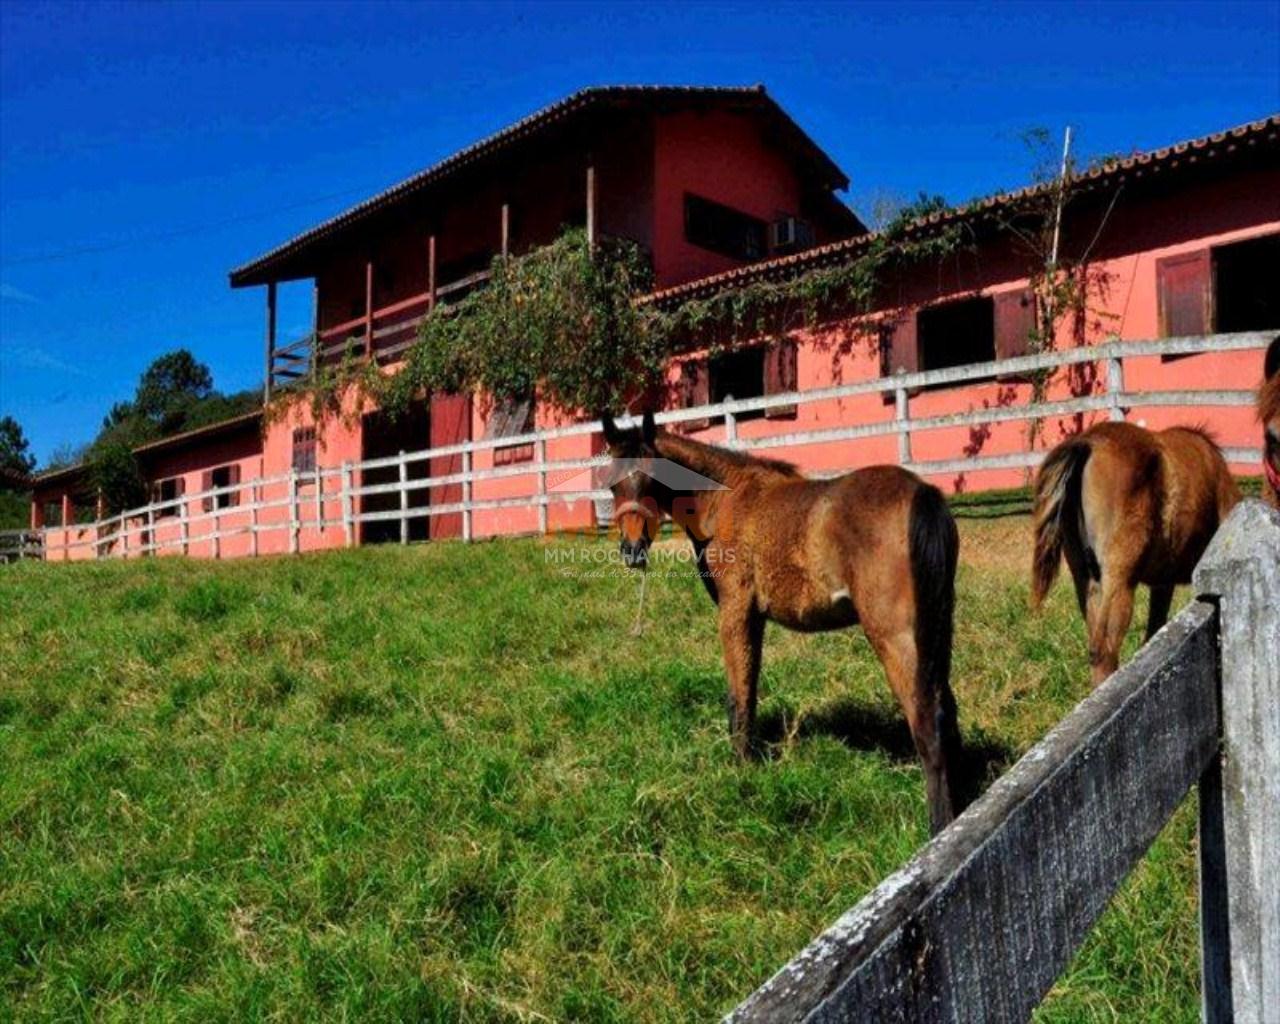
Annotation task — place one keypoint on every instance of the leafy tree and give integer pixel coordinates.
(15, 455)
(170, 388)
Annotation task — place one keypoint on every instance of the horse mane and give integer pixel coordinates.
(720, 464)
(1269, 399)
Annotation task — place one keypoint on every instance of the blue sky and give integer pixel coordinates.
(146, 149)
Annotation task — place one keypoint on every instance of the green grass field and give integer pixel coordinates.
(447, 783)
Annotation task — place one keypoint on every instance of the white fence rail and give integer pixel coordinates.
(334, 498)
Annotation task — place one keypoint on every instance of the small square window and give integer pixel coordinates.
(957, 334)
(722, 229)
(304, 450)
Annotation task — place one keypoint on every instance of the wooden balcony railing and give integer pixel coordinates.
(385, 334)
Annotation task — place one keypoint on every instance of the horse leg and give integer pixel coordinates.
(930, 711)
(1158, 614)
(1110, 611)
(741, 636)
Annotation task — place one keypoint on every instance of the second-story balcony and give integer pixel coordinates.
(382, 334)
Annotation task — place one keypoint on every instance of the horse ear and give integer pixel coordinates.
(648, 430)
(612, 436)
(1271, 365)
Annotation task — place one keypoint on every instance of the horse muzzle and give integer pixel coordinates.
(635, 553)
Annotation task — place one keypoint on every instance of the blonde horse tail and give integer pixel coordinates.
(1055, 510)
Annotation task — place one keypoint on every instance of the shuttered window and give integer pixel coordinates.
(511, 417)
(168, 490)
(899, 352)
(1015, 320)
(722, 229)
(304, 449)
(781, 375)
(1184, 294)
(214, 479)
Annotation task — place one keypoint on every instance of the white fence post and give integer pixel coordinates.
(217, 526)
(151, 530)
(466, 494)
(348, 525)
(294, 525)
(124, 536)
(319, 497)
(730, 427)
(184, 527)
(540, 451)
(901, 415)
(1115, 388)
(404, 499)
(1240, 791)
(255, 496)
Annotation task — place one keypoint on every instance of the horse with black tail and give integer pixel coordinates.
(1126, 506)
(875, 547)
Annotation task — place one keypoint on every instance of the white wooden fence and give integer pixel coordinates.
(982, 921)
(331, 498)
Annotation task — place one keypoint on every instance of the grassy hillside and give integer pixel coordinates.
(447, 783)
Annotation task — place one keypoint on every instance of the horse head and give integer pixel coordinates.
(636, 508)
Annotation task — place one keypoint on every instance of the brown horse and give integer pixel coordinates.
(1126, 506)
(876, 547)
(1269, 414)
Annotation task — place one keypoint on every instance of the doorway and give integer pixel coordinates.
(383, 436)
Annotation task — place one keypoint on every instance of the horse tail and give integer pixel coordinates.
(934, 544)
(1055, 510)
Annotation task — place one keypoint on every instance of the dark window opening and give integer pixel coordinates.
(723, 229)
(216, 479)
(738, 375)
(304, 450)
(1246, 285)
(164, 491)
(53, 513)
(956, 334)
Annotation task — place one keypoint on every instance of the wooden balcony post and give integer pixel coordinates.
(506, 230)
(431, 272)
(271, 341)
(315, 328)
(591, 204)
(368, 308)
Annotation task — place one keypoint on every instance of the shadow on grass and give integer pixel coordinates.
(871, 727)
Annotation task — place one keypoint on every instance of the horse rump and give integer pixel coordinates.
(1055, 509)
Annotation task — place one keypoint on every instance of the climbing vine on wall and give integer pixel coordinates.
(564, 320)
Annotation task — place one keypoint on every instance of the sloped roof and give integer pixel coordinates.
(597, 98)
(210, 430)
(1255, 136)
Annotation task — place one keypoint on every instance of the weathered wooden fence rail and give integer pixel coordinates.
(981, 922)
(133, 532)
(16, 545)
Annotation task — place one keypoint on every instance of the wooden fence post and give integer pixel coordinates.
(319, 498)
(183, 526)
(151, 531)
(901, 417)
(540, 450)
(404, 499)
(1240, 791)
(293, 512)
(730, 427)
(466, 494)
(348, 525)
(1115, 389)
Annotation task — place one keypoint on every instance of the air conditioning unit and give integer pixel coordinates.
(790, 234)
